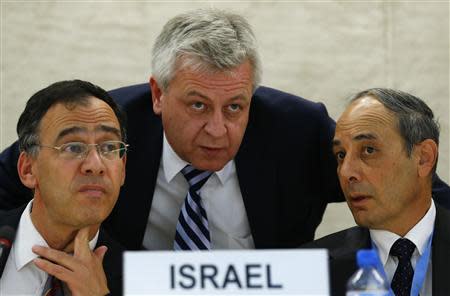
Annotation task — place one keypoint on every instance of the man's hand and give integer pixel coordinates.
(83, 272)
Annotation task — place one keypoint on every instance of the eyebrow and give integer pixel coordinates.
(77, 130)
(359, 137)
(196, 93)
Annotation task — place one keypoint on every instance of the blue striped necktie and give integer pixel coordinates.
(192, 231)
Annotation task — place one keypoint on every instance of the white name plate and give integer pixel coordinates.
(250, 272)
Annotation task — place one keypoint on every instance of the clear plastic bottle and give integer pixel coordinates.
(367, 281)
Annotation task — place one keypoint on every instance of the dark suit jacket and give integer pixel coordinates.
(343, 245)
(285, 168)
(112, 262)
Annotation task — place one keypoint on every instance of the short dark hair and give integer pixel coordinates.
(415, 120)
(70, 93)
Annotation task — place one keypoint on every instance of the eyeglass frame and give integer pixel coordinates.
(83, 155)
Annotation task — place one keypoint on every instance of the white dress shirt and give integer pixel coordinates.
(21, 276)
(221, 197)
(419, 235)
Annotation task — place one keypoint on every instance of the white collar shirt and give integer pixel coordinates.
(221, 197)
(21, 276)
(419, 235)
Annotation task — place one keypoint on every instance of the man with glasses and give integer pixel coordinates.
(272, 170)
(73, 159)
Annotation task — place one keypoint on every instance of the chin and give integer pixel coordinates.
(88, 219)
(213, 165)
(368, 223)
(210, 167)
(361, 221)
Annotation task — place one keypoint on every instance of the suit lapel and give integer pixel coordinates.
(343, 257)
(257, 177)
(11, 218)
(112, 262)
(141, 183)
(145, 136)
(441, 252)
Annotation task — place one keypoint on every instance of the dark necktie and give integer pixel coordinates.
(53, 287)
(192, 231)
(401, 282)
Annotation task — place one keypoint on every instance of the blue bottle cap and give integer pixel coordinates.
(366, 258)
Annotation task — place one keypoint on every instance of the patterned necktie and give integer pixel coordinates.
(53, 287)
(192, 231)
(401, 282)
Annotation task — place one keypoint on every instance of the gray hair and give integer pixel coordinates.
(415, 119)
(205, 39)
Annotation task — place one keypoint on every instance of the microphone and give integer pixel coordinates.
(6, 237)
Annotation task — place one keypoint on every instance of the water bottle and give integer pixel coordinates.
(367, 281)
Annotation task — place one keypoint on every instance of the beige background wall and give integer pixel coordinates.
(323, 51)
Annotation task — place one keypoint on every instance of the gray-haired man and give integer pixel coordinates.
(386, 146)
(269, 151)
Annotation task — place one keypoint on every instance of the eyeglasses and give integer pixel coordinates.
(110, 150)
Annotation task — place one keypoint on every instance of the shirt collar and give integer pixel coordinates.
(173, 164)
(419, 235)
(28, 236)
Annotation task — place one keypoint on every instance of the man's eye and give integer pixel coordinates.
(234, 107)
(75, 148)
(198, 106)
(369, 150)
(109, 147)
(340, 155)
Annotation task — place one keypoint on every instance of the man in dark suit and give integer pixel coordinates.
(73, 159)
(270, 151)
(386, 145)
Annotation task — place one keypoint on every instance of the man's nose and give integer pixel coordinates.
(349, 170)
(93, 162)
(215, 126)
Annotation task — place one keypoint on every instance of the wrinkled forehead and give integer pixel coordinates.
(85, 117)
(367, 114)
(197, 66)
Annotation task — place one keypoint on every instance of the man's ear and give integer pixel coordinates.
(25, 169)
(156, 96)
(427, 154)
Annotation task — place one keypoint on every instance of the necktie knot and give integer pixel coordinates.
(192, 230)
(403, 249)
(403, 276)
(195, 178)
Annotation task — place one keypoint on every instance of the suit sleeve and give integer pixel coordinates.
(328, 165)
(12, 192)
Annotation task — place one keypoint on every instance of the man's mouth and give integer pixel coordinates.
(93, 190)
(212, 150)
(358, 200)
